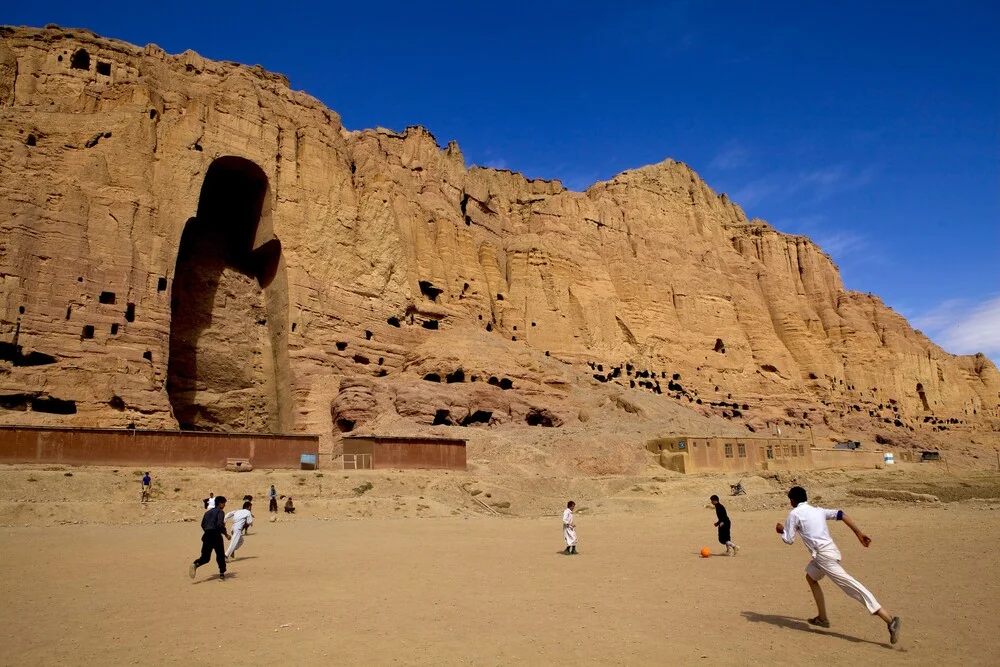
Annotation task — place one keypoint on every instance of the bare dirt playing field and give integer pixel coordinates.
(486, 590)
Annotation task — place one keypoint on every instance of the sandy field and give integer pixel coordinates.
(477, 589)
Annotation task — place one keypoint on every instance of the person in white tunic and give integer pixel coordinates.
(242, 519)
(810, 523)
(569, 529)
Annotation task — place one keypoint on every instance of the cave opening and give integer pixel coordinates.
(228, 364)
(923, 396)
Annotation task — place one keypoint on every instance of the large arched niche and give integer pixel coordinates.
(228, 364)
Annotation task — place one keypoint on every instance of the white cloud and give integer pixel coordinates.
(755, 192)
(961, 326)
(730, 159)
(813, 186)
(496, 163)
(840, 245)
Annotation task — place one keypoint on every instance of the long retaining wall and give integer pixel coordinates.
(847, 458)
(86, 446)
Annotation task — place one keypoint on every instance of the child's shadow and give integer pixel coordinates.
(799, 624)
(229, 577)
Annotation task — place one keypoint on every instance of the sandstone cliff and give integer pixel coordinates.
(191, 243)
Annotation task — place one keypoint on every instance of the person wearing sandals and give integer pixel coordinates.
(810, 523)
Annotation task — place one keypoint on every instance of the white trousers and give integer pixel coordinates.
(828, 563)
(570, 534)
(235, 543)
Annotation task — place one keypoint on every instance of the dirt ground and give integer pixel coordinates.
(341, 586)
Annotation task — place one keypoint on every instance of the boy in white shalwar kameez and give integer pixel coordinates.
(569, 529)
(242, 519)
(810, 523)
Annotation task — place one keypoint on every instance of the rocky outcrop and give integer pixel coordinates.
(191, 243)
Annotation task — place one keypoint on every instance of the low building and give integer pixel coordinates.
(688, 454)
(375, 451)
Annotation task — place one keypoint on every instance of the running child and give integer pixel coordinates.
(724, 525)
(214, 525)
(569, 529)
(810, 523)
(242, 519)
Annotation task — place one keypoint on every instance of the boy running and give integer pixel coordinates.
(569, 529)
(810, 523)
(724, 525)
(242, 519)
(214, 525)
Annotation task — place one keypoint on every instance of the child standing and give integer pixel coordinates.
(272, 498)
(569, 529)
(810, 523)
(724, 525)
(214, 525)
(147, 482)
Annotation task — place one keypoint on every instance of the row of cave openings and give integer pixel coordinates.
(650, 380)
(534, 416)
(80, 59)
(428, 290)
(459, 376)
(362, 359)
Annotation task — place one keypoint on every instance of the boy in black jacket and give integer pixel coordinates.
(214, 525)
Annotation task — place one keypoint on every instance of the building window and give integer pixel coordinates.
(802, 450)
(770, 452)
(794, 451)
(742, 451)
(729, 451)
(784, 451)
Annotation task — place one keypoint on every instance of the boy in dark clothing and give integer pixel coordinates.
(214, 525)
(724, 524)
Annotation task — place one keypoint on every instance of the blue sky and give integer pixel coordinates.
(870, 127)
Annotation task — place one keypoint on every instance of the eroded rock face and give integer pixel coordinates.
(188, 242)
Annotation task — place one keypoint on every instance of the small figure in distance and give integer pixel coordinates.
(210, 501)
(569, 529)
(147, 482)
(272, 497)
(289, 507)
(724, 525)
(214, 526)
(810, 523)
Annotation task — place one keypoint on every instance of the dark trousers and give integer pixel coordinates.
(212, 541)
(273, 505)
